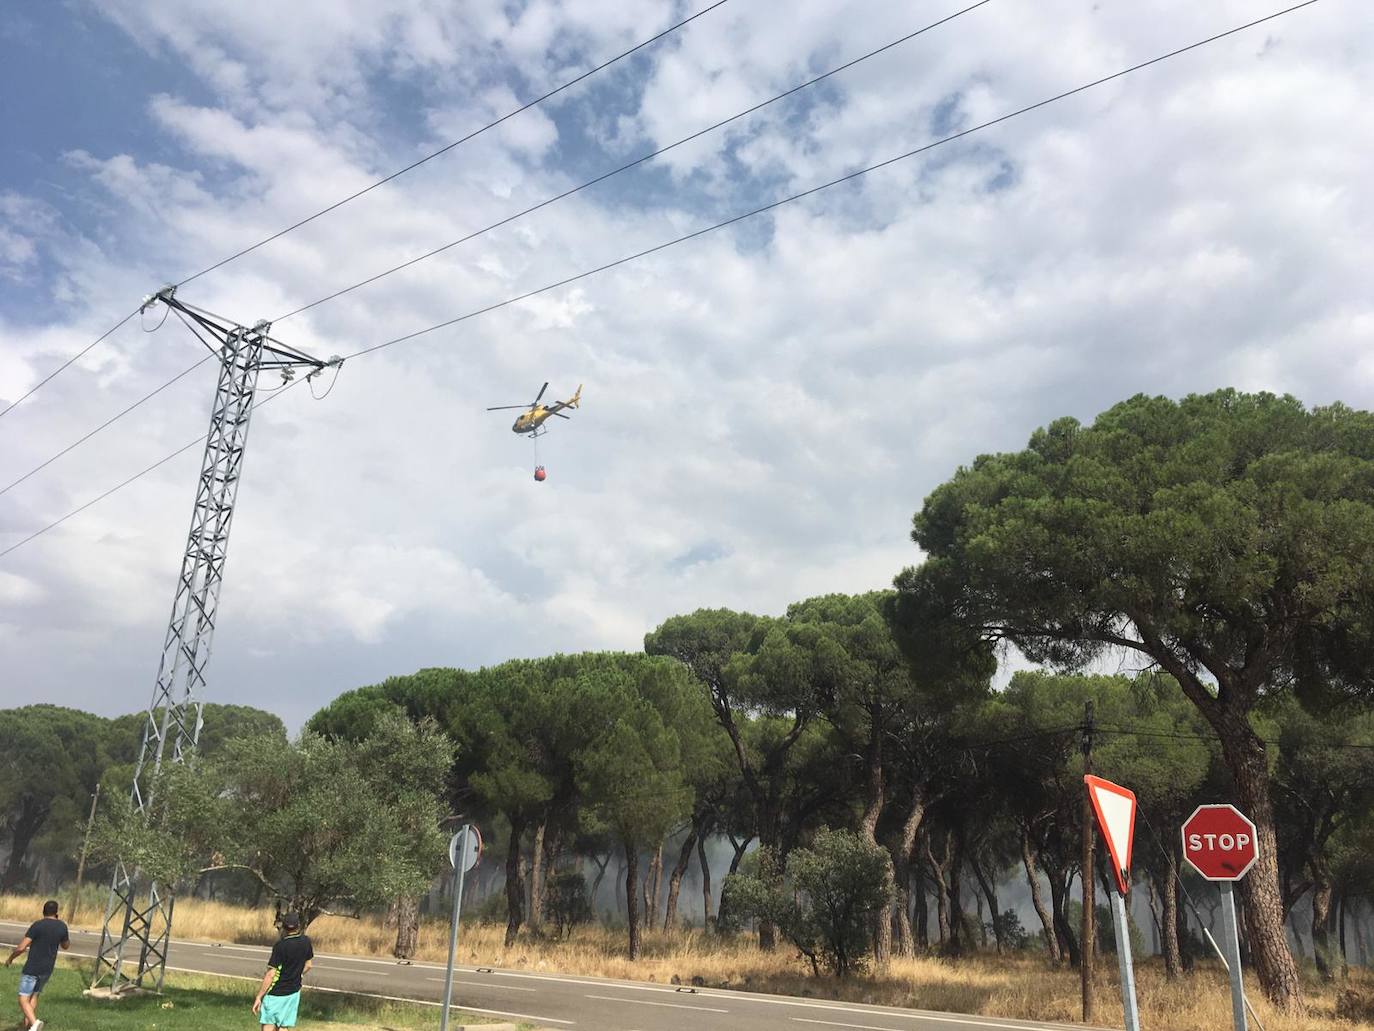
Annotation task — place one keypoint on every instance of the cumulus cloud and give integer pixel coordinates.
(764, 407)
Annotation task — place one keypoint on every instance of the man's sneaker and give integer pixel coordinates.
(37, 1025)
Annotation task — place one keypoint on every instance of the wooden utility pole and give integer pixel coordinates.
(1087, 944)
(81, 863)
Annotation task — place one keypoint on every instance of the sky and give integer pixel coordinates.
(764, 407)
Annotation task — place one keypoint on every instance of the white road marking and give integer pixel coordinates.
(938, 1017)
(602, 983)
(487, 984)
(747, 997)
(669, 1005)
(836, 1023)
(387, 998)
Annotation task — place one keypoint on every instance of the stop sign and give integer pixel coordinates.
(1219, 842)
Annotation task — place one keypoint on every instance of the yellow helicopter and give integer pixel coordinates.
(533, 419)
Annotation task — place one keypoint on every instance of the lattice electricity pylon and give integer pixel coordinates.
(139, 912)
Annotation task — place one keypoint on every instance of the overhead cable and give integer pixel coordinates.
(457, 143)
(632, 164)
(381, 182)
(108, 422)
(76, 357)
(739, 218)
(551, 200)
(847, 177)
(138, 475)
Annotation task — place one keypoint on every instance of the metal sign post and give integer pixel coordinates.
(1232, 946)
(1115, 809)
(1220, 842)
(1123, 959)
(463, 851)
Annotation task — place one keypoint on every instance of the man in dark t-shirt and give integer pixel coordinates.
(41, 941)
(279, 995)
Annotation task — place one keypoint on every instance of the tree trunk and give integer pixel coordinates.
(1038, 901)
(621, 903)
(874, 799)
(407, 926)
(922, 909)
(684, 858)
(905, 944)
(960, 936)
(901, 867)
(1059, 900)
(989, 888)
(937, 874)
(769, 841)
(1156, 919)
(1340, 935)
(708, 920)
(22, 832)
(1321, 925)
(657, 893)
(1361, 944)
(632, 896)
(600, 875)
(515, 883)
(537, 866)
(1173, 961)
(1268, 945)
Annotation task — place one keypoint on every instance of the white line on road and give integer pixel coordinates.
(487, 984)
(746, 997)
(886, 1013)
(387, 998)
(670, 1005)
(941, 1018)
(836, 1023)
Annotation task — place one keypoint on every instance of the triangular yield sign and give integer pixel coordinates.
(1115, 808)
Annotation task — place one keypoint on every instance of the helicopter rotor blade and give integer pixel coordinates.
(541, 392)
(502, 408)
(561, 415)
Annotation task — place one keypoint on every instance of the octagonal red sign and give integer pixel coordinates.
(1219, 842)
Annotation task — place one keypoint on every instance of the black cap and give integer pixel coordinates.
(291, 920)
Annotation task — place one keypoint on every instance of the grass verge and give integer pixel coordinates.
(192, 1002)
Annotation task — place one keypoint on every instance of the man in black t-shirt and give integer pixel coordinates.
(279, 995)
(41, 941)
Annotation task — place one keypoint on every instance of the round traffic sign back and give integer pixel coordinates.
(456, 853)
(1220, 842)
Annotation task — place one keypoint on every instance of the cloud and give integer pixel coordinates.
(764, 407)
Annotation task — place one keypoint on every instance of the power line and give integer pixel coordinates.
(731, 221)
(108, 422)
(544, 203)
(456, 143)
(138, 475)
(1178, 736)
(632, 164)
(146, 397)
(76, 357)
(833, 182)
(381, 182)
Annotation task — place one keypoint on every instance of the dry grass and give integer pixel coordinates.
(1021, 986)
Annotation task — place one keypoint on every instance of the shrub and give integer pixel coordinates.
(566, 902)
(826, 901)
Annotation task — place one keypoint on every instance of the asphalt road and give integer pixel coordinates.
(558, 1001)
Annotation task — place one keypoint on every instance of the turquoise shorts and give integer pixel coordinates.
(279, 1009)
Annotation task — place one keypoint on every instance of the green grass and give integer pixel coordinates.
(193, 1002)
